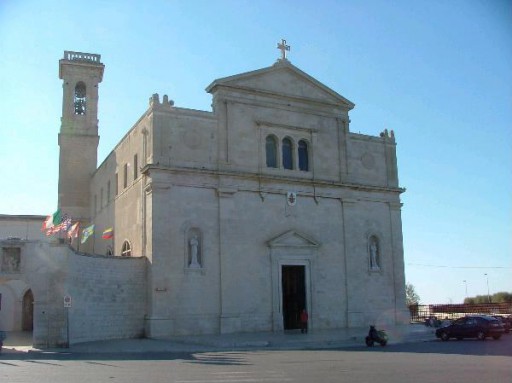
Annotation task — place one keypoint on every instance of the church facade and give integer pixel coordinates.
(244, 215)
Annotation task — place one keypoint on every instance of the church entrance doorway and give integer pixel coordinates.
(294, 295)
(27, 315)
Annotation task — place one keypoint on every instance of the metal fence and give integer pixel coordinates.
(419, 313)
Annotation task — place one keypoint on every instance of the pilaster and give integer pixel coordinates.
(229, 317)
(395, 217)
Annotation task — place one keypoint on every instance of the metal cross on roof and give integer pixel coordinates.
(283, 48)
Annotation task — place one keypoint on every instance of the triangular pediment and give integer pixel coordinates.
(282, 79)
(292, 238)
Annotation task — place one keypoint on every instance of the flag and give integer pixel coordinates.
(73, 230)
(86, 233)
(62, 226)
(51, 220)
(51, 231)
(65, 224)
(108, 233)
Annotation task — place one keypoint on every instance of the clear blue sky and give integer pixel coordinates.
(439, 73)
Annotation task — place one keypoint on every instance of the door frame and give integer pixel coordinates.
(291, 248)
(277, 284)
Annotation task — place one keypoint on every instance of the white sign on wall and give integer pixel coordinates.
(67, 301)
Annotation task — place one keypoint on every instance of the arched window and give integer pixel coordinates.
(303, 156)
(271, 151)
(287, 153)
(80, 101)
(126, 250)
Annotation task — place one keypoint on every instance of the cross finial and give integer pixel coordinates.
(283, 48)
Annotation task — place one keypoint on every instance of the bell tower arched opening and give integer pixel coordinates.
(80, 99)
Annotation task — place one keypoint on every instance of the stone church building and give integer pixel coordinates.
(230, 220)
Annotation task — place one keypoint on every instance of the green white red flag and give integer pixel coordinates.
(51, 221)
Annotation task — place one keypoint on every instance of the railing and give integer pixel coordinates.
(79, 56)
(419, 313)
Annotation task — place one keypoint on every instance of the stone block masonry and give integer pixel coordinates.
(109, 297)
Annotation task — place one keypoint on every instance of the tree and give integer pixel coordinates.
(477, 299)
(501, 297)
(411, 297)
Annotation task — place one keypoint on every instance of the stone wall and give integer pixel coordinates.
(108, 297)
(108, 294)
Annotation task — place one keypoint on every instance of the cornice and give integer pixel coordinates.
(264, 178)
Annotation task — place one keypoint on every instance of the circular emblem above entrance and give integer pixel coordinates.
(291, 198)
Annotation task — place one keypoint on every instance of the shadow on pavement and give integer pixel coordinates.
(221, 358)
(489, 347)
(224, 353)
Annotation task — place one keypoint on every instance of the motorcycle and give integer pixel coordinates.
(376, 336)
(2, 338)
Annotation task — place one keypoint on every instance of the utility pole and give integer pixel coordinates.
(488, 295)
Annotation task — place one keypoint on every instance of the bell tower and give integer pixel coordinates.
(78, 138)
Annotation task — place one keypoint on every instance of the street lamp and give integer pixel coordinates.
(488, 295)
(466, 283)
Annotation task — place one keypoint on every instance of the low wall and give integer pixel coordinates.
(108, 294)
(108, 297)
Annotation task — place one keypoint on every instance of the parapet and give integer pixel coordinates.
(388, 135)
(154, 102)
(82, 57)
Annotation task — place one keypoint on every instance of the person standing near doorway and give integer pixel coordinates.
(304, 321)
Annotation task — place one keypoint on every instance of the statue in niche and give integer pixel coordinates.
(194, 250)
(374, 254)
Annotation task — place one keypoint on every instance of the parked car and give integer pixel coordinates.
(472, 326)
(505, 321)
